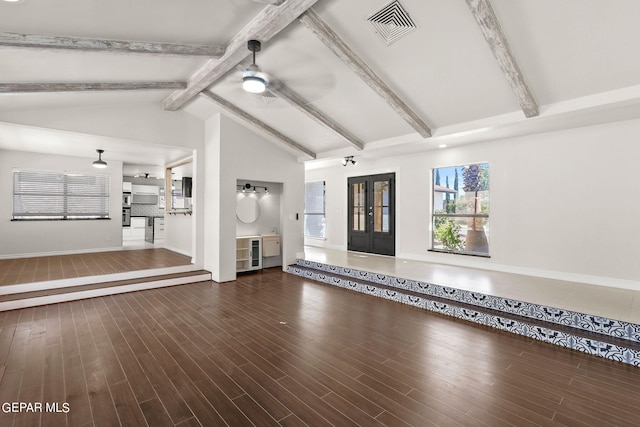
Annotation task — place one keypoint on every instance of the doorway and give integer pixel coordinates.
(371, 214)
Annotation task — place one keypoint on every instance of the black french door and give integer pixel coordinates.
(371, 214)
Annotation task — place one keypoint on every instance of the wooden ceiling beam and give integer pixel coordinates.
(87, 87)
(269, 22)
(256, 123)
(104, 45)
(490, 27)
(273, 2)
(333, 41)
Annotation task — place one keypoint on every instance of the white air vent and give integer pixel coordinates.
(392, 22)
(268, 97)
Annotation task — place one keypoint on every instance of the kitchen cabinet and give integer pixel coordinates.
(154, 231)
(145, 194)
(126, 187)
(158, 230)
(138, 224)
(248, 253)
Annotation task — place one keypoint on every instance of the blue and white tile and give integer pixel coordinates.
(502, 323)
(364, 275)
(338, 281)
(453, 294)
(391, 295)
(472, 315)
(478, 299)
(400, 283)
(381, 279)
(512, 306)
(632, 357)
(371, 290)
(424, 288)
(601, 325)
(334, 269)
(634, 332)
(413, 300)
(551, 314)
(441, 307)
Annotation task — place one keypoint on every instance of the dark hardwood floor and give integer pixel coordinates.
(274, 349)
(56, 267)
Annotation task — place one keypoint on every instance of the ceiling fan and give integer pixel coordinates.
(297, 69)
(253, 79)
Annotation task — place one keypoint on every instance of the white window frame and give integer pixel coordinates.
(435, 216)
(317, 213)
(53, 195)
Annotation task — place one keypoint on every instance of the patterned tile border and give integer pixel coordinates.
(585, 322)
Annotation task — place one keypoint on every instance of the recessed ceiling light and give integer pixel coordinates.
(442, 146)
(15, 1)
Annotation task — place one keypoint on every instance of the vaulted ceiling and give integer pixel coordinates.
(470, 70)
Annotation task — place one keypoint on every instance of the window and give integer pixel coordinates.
(57, 195)
(314, 214)
(461, 209)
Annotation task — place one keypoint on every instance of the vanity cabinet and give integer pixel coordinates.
(270, 245)
(248, 253)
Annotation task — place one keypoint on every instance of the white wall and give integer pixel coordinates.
(234, 152)
(547, 214)
(147, 123)
(21, 238)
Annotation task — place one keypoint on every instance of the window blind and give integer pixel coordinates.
(53, 195)
(314, 205)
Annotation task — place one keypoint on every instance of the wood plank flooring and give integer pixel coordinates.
(38, 269)
(273, 349)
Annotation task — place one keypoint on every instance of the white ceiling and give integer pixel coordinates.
(579, 58)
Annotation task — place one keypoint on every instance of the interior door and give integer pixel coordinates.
(371, 214)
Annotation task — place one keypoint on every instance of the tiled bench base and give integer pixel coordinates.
(608, 338)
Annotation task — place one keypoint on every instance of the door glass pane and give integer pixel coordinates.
(381, 206)
(358, 207)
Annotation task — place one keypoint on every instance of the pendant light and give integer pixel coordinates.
(100, 163)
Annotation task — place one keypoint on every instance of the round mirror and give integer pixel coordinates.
(247, 210)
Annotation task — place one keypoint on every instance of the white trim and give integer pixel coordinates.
(52, 299)
(56, 253)
(87, 280)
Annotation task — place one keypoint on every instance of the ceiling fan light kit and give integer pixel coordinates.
(253, 80)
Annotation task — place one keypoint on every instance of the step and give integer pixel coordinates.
(52, 295)
(612, 339)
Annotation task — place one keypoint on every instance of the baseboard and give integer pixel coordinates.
(56, 253)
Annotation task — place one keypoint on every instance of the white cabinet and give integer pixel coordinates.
(270, 245)
(248, 253)
(151, 190)
(158, 230)
(126, 187)
(145, 194)
(137, 227)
